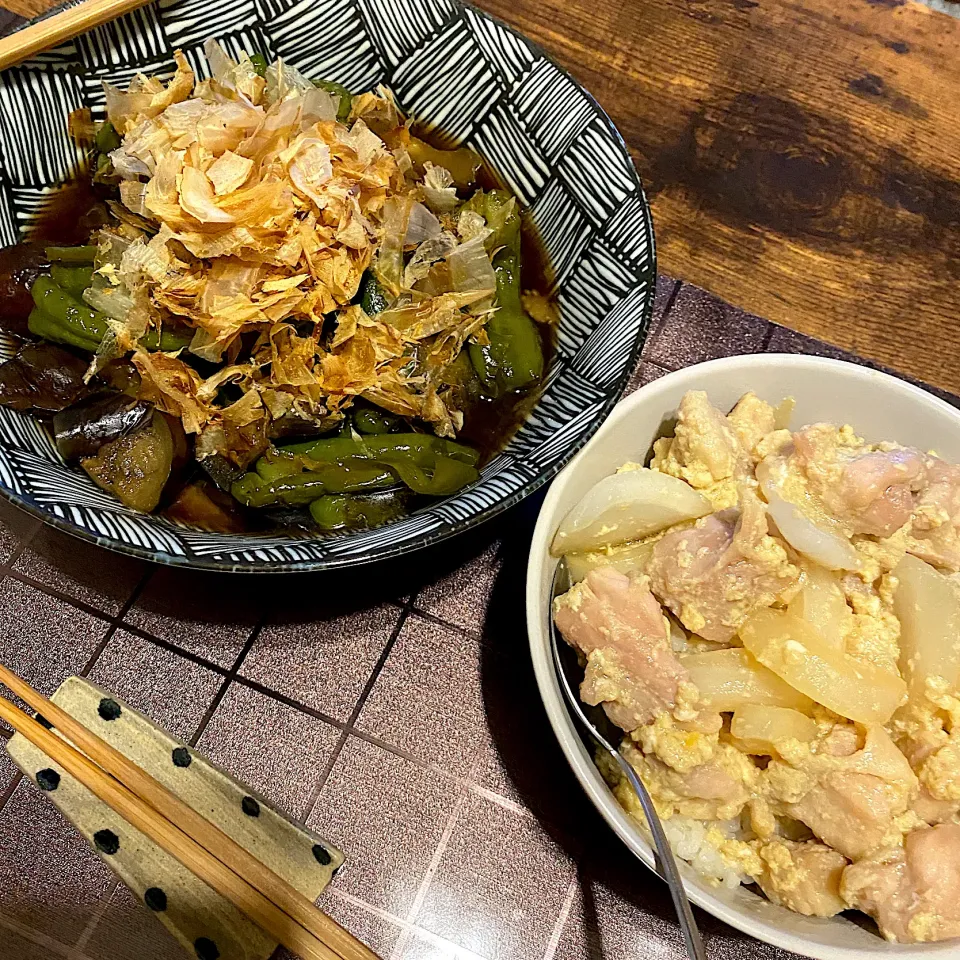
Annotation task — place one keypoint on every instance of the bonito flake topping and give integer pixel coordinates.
(249, 215)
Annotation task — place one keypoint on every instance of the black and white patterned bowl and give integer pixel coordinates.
(453, 68)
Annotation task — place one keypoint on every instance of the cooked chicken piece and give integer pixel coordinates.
(616, 623)
(931, 810)
(935, 534)
(868, 490)
(852, 812)
(714, 575)
(911, 891)
(704, 450)
(804, 877)
(850, 800)
(716, 790)
(752, 419)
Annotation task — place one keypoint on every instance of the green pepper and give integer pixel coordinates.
(513, 358)
(338, 90)
(62, 318)
(422, 447)
(72, 279)
(253, 490)
(426, 464)
(462, 164)
(439, 479)
(85, 254)
(358, 512)
(373, 298)
(107, 138)
(373, 420)
(260, 64)
(499, 209)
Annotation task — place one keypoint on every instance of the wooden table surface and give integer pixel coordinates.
(802, 156)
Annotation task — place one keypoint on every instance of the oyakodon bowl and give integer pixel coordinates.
(455, 70)
(879, 407)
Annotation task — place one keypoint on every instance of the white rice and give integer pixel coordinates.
(689, 840)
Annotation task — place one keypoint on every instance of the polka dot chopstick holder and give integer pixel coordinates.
(207, 925)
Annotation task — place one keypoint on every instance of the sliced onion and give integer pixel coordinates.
(927, 604)
(627, 506)
(828, 549)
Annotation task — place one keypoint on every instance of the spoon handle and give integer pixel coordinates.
(666, 863)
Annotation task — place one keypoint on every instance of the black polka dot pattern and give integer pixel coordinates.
(182, 758)
(43, 721)
(322, 855)
(48, 779)
(106, 841)
(250, 807)
(109, 709)
(155, 899)
(206, 949)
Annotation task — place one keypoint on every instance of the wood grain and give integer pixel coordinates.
(28, 8)
(802, 156)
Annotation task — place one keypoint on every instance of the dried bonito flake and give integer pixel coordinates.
(251, 215)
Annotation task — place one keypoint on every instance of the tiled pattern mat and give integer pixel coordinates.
(394, 709)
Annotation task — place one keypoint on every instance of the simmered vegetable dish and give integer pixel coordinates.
(287, 309)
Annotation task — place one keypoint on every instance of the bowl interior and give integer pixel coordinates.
(470, 79)
(879, 407)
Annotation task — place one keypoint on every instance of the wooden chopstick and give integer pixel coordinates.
(61, 27)
(282, 899)
(171, 838)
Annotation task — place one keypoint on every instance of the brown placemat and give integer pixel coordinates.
(392, 708)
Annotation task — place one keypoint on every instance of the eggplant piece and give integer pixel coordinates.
(20, 265)
(221, 471)
(135, 468)
(42, 376)
(121, 376)
(182, 451)
(200, 504)
(287, 518)
(292, 427)
(81, 430)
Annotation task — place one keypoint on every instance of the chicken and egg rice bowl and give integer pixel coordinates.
(771, 617)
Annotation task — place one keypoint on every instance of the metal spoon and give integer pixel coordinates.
(665, 862)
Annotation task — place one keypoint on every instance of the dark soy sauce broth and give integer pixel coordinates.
(490, 424)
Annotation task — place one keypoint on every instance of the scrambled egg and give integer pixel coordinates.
(678, 747)
(796, 814)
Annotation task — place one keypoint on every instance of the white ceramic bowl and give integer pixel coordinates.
(879, 407)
